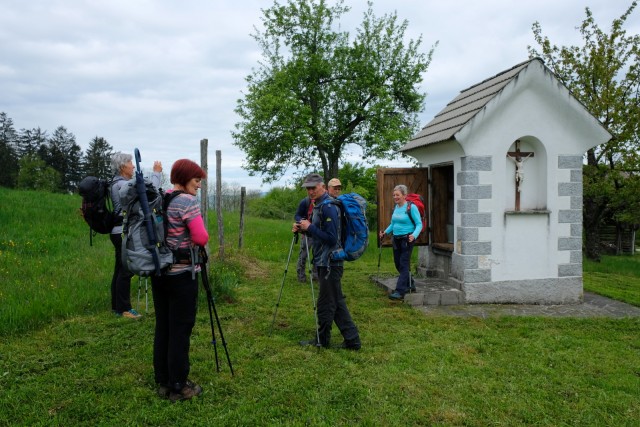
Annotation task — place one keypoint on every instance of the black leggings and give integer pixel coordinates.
(175, 301)
(121, 280)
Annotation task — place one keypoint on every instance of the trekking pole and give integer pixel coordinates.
(149, 221)
(379, 256)
(294, 240)
(212, 311)
(313, 294)
(146, 294)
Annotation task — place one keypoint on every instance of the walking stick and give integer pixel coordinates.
(149, 220)
(294, 240)
(313, 294)
(146, 293)
(212, 306)
(379, 255)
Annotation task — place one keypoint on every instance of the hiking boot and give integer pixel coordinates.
(189, 390)
(396, 296)
(163, 391)
(131, 314)
(354, 345)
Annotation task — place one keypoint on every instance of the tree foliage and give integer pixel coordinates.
(316, 91)
(8, 155)
(357, 175)
(62, 153)
(35, 174)
(604, 74)
(31, 141)
(97, 159)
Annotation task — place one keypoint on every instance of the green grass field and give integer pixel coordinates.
(66, 360)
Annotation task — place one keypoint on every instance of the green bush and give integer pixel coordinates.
(278, 203)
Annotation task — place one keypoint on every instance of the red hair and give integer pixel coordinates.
(184, 170)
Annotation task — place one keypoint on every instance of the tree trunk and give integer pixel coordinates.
(333, 169)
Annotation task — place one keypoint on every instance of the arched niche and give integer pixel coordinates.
(526, 175)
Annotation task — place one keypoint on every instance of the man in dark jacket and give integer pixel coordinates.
(325, 231)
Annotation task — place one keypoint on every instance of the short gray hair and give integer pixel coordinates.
(401, 188)
(118, 160)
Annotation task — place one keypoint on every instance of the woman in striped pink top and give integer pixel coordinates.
(175, 293)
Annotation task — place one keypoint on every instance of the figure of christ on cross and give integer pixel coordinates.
(518, 157)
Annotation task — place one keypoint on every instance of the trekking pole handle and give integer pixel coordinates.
(138, 158)
(202, 252)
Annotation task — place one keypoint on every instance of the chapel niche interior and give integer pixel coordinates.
(532, 188)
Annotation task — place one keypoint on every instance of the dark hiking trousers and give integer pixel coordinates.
(121, 280)
(402, 257)
(174, 300)
(333, 308)
(301, 267)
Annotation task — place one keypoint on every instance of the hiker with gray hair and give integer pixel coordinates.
(324, 227)
(405, 226)
(122, 166)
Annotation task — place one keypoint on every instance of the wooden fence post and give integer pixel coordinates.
(243, 193)
(204, 204)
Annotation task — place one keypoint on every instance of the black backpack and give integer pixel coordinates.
(97, 207)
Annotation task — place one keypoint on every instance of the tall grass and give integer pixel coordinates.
(48, 268)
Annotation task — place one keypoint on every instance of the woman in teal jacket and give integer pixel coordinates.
(405, 226)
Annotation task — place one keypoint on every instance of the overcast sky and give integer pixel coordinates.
(161, 75)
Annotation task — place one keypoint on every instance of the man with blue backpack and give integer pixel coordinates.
(325, 229)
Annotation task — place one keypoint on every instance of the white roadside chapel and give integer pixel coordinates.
(504, 162)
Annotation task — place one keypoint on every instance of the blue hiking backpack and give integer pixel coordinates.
(354, 231)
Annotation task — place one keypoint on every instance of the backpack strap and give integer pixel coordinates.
(408, 212)
(167, 198)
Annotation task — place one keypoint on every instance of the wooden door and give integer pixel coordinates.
(416, 180)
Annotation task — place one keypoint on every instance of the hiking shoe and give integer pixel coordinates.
(131, 314)
(354, 345)
(412, 285)
(396, 296)
(163, 391)
(189, 390)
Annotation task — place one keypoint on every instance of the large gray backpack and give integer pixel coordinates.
(139, 254)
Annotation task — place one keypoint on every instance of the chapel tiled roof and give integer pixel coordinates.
(463, 108)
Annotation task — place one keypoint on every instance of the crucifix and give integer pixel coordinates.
(518, 157)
